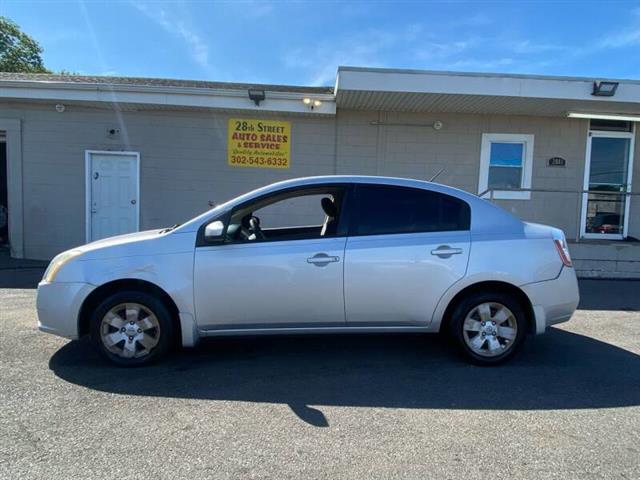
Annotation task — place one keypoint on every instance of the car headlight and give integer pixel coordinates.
(58, 262)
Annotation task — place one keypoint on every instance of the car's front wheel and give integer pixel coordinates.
(489, 327)
(132, 328)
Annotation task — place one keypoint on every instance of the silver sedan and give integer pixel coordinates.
(318, 255)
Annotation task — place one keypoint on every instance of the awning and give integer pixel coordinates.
(478, 93)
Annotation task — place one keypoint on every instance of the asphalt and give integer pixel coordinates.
(376, 406)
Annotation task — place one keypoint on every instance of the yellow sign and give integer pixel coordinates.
(258, 143)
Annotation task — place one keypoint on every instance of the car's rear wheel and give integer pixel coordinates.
(132, 328)
(489, 327)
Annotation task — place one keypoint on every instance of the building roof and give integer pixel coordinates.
(438, 91)
(133, 93)
(448, 73)
(394, 90)
(156, 82)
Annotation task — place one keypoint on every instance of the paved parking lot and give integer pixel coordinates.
(326, 407)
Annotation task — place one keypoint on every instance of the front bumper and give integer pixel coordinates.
(58, 305)
(554, 301)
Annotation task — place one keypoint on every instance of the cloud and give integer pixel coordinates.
(473, 64)
(528, 47)
(256, 8)
(372, 48)
(197, 46)
(438, 50)
(464, 44)
(321, 63)
(628, 37)
(365, 48)
(477, 20)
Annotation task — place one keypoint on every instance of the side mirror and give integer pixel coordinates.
(213, 232)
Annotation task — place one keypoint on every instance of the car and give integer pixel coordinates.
(605, 222)
(329, 254)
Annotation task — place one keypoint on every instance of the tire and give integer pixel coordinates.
(132, 328)
(488, 327)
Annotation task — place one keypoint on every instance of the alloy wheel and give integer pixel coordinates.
(490, 329)
(130, 330)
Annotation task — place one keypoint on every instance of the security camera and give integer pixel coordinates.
(60, 108)
(437, 125)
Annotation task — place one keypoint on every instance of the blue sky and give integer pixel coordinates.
(304, 42)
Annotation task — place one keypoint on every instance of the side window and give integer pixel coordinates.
(297, 215)
(300, 211)
(383, 210)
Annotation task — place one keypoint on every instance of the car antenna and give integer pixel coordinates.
(436, 175)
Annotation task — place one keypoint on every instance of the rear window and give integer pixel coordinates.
(383, 209)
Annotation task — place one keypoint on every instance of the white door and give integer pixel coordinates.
(113, 194)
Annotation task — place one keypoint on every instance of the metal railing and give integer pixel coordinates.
(580, 194)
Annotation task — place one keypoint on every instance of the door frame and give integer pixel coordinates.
(13, 138)
(587, 172)
(87, 178)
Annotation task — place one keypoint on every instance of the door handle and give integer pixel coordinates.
(445, 251)
(322, 259)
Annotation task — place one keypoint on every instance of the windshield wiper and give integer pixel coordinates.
(166, 230)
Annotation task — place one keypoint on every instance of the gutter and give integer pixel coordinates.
(165, 95)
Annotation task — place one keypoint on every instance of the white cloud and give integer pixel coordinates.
(256, 8)
(477, 20)
(436, 50)
(197, 46)
(528, 47)
(366, 48)
(473, 64)
(626, 37)
(372, 48)
(629, 38)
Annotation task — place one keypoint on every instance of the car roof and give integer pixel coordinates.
(370, 179)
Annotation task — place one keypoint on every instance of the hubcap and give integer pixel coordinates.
(130, 330)
(490, 329)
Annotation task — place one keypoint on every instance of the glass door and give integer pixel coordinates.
(607, 178)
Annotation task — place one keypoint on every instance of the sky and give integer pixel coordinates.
(303, 43)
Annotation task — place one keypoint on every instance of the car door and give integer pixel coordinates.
(406, 247)
(292, 278)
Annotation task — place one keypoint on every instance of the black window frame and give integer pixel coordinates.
(342, 229)
(355, 209)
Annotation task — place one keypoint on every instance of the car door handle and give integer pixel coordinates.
(445, 251)
(322, 259)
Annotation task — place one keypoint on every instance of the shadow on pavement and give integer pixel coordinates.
(562, 370)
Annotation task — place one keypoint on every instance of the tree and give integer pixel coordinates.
(18, 51)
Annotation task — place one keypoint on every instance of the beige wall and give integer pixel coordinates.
(184, 166)
(421, 151)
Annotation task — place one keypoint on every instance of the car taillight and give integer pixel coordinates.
(561, 246)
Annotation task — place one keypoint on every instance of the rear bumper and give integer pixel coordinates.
(554, 301)
(58, 306)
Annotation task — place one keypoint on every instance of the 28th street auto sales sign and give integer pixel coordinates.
(258, 143)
